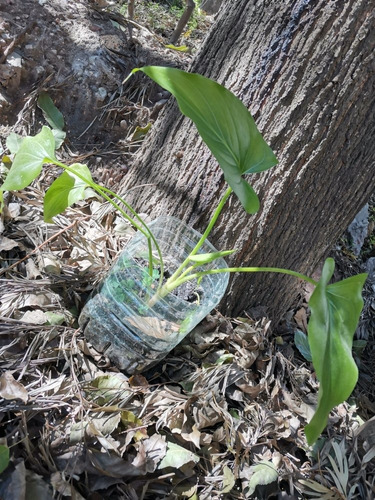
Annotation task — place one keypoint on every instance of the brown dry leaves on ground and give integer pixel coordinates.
(220, 416)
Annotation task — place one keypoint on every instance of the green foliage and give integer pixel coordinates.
(335, 311)
(229, 131)
(4, 457)
(262, 473)
(53, 117)
(302, 344)
(13, 142)
(224, 124)
(148, 279)
(162, 17)
(31, 155)
(177, 456)
(66, 190)
(206, 258)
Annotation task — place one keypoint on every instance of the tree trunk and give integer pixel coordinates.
(305, 69)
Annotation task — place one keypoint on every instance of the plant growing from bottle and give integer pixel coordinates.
(229, 131)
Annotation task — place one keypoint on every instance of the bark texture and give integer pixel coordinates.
(306, 71)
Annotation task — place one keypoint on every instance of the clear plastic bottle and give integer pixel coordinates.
(117, 319)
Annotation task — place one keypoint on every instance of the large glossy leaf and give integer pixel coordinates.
(335, 311)
(28, 162)
(66, 190)
(225, 125)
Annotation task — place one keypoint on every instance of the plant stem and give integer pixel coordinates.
(148, 236)
(204, 236)
(144, 230)
(279, 270)
(169, 287)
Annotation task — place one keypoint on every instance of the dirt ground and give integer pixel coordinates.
(235, 395)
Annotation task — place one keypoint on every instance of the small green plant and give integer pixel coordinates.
(229, 131)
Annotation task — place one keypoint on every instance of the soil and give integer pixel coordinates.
(80, 53)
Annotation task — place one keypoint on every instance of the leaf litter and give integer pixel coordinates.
(221, 416)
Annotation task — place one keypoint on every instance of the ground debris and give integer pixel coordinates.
(229, 403)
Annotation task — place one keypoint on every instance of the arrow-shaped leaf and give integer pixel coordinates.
(66, 190)
(335, 311)
(28, 162)
(224, 124)
(52, 115)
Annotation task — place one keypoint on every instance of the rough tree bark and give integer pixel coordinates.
(306, 71)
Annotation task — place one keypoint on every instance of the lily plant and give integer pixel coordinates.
(229, 131)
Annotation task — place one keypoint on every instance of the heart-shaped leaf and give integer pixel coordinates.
(66, 190)
(224, 124)
(335, 311)
(28, 162)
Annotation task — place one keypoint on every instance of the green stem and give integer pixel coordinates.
(204, 236)
(144, 230)
(169, 287)
(243, 270)
(149, 236)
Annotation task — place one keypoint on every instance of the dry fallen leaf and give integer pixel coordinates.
(149, 453)
(31, 270)
(177, 456)
(64, 487)
(7, 244)
(36, 317)
(11, 389)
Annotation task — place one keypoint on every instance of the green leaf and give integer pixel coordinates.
(28, 162)
(66, 190)
(53, 117)
(59, 136)
(228, 480)
(180, 48)
(263, 473)
(55, 318)
(109, 388)
(302, 344)
(335, 311)
(51, 114)
(224, 124)
(4, 457)
(206, 258)
(140, 132)
(13, 142)
(177, 456)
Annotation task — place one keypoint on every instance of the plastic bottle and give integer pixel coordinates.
(117, 319)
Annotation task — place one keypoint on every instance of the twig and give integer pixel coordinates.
(3, 271)
(184, 19)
